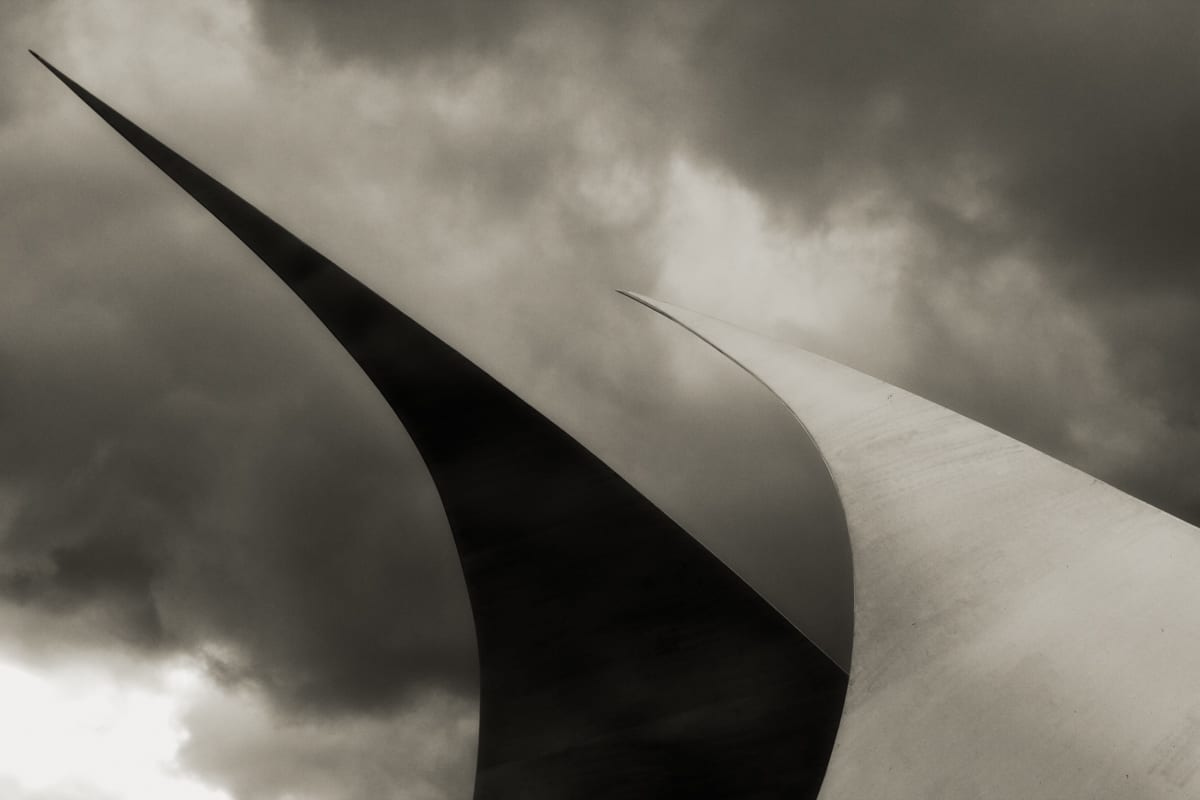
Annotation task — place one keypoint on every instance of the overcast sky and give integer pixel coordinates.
(223, 570)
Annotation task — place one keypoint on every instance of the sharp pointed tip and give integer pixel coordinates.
(46, 63)
(58, 73)
(637, 298)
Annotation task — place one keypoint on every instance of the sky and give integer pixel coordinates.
(224, 572)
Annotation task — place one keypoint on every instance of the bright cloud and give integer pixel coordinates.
(82, 730)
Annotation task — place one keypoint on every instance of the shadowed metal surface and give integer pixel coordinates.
(1022, 630)
(618, 658)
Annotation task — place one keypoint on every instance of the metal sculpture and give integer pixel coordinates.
(618, 658)
(1021, 628)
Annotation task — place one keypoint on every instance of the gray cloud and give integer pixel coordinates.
(1059, 137)
(425, 753)
(404, 31)
(1065, 135)
(1077, 121)
(198, 478)
(187, 463)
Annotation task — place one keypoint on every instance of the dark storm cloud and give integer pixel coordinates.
(1079, 119)
(191, 464)
(1076, 127)
(1065, 136)
(396, 31)
(459, 33)
(187, 463)
(194, 478)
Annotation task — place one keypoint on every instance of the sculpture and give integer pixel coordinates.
(618, 658)
(1021, 629)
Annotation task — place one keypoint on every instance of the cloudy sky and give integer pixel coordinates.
(223, 570)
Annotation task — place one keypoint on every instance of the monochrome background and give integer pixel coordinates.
(224, 572)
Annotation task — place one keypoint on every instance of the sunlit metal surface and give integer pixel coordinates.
(1022, 630)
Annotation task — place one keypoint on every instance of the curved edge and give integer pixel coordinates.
(659, 309)
(1071, 687)
(728, 697)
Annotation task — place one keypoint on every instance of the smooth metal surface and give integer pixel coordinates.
(618, 658)
(1022, 630)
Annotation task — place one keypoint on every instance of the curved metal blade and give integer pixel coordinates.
(618, 658)
(1021, 628)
